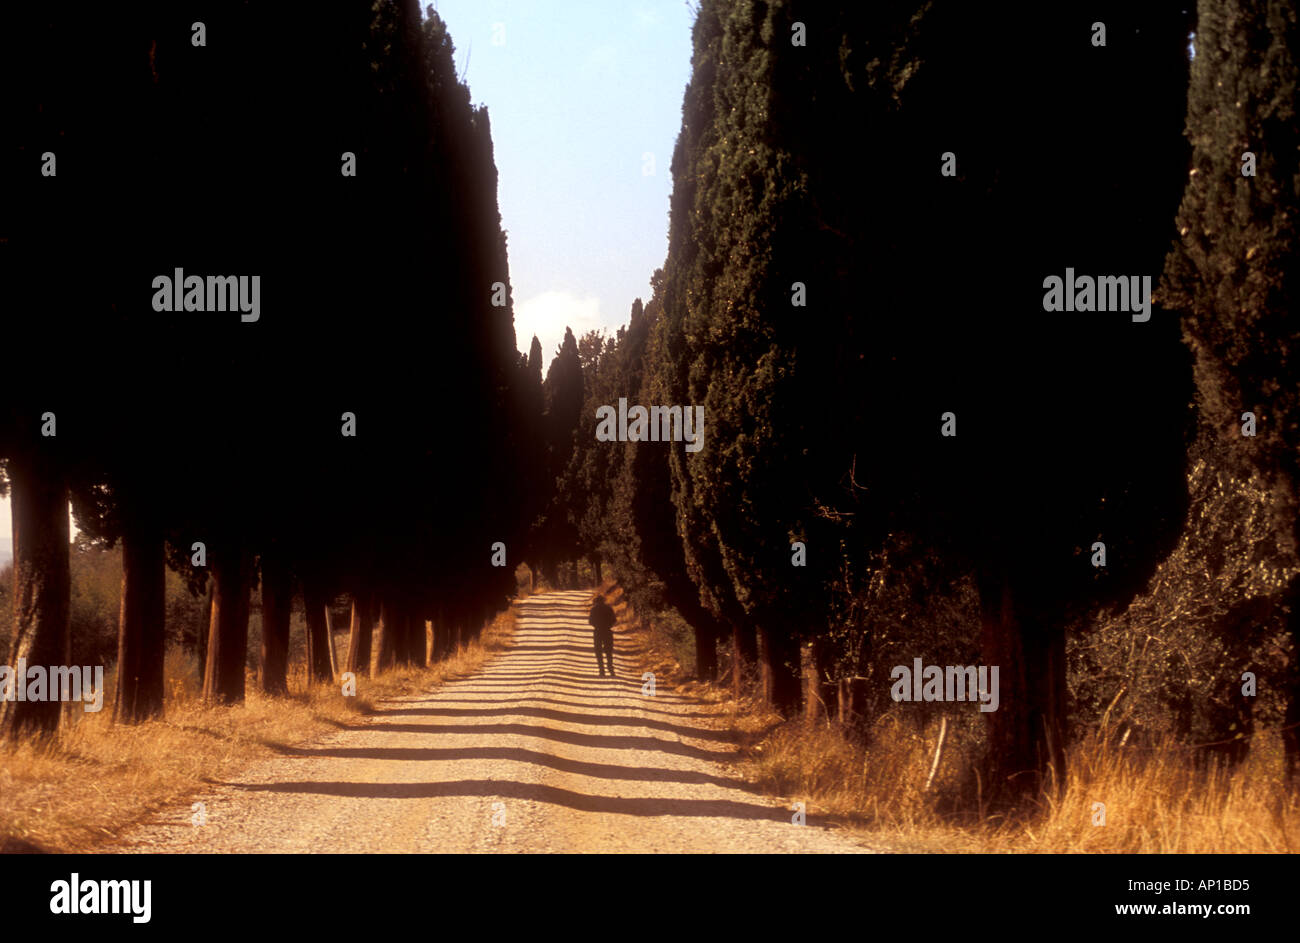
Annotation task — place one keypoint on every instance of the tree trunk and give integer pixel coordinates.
(744, 652)
(441, 639)
(42, 586)
(202, 629)
(223, 679)
(1026, 734)
(277, 602)
(778, 664)
(359, 637)
(421, 638)
(386, 628)
(413, 628)
(846, 701)
(435, 642)
(316, 602)
(329, 637)
(823, 663)
(445, 628)
(706, 654)
(140, 631)
(706, 629)
(766, 674)
(813, 707)
(402, 641)
(406, 644)
(852, 693)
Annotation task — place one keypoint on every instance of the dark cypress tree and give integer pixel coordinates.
(691, 264)
(38, 492)
(531, 438)
(260, 471)
(1235, 276)
(66, 171)
(121, 493)
(1021, 493)
(563, 390)
(643, 539)
(277, 599)
(800, 403)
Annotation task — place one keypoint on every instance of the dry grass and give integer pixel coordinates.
(1163, 800)
(1159, 801)
(95, 779)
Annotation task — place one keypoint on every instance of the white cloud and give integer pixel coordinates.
(548, 314)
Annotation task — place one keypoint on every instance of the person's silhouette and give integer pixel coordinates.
(602, 621)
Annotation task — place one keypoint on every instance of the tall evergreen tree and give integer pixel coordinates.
(1235, 276)
(563, 390)
(643, 540)
(255, 465)
(768, 212)
(38, 493)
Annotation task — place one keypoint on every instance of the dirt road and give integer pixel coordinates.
(535, 753)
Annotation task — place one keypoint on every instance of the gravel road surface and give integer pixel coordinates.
(534, 753)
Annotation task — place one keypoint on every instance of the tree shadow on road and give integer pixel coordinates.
(508, 789)
(593, 719)
(571, 737)
(648, 774)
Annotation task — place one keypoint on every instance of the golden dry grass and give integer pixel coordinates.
(1157, 801)
(94, 780)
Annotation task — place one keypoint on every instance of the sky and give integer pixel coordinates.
(585, 98)
(6, 532)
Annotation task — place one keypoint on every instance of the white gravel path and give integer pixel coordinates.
(534, 753)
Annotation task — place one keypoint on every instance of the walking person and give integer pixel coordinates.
(602, 621)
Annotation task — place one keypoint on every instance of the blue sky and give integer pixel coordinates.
(579, 92)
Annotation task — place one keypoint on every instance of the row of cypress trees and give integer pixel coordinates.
(360, 436)
(867, 200)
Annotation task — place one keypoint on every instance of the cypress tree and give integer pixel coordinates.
(1234, 275)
